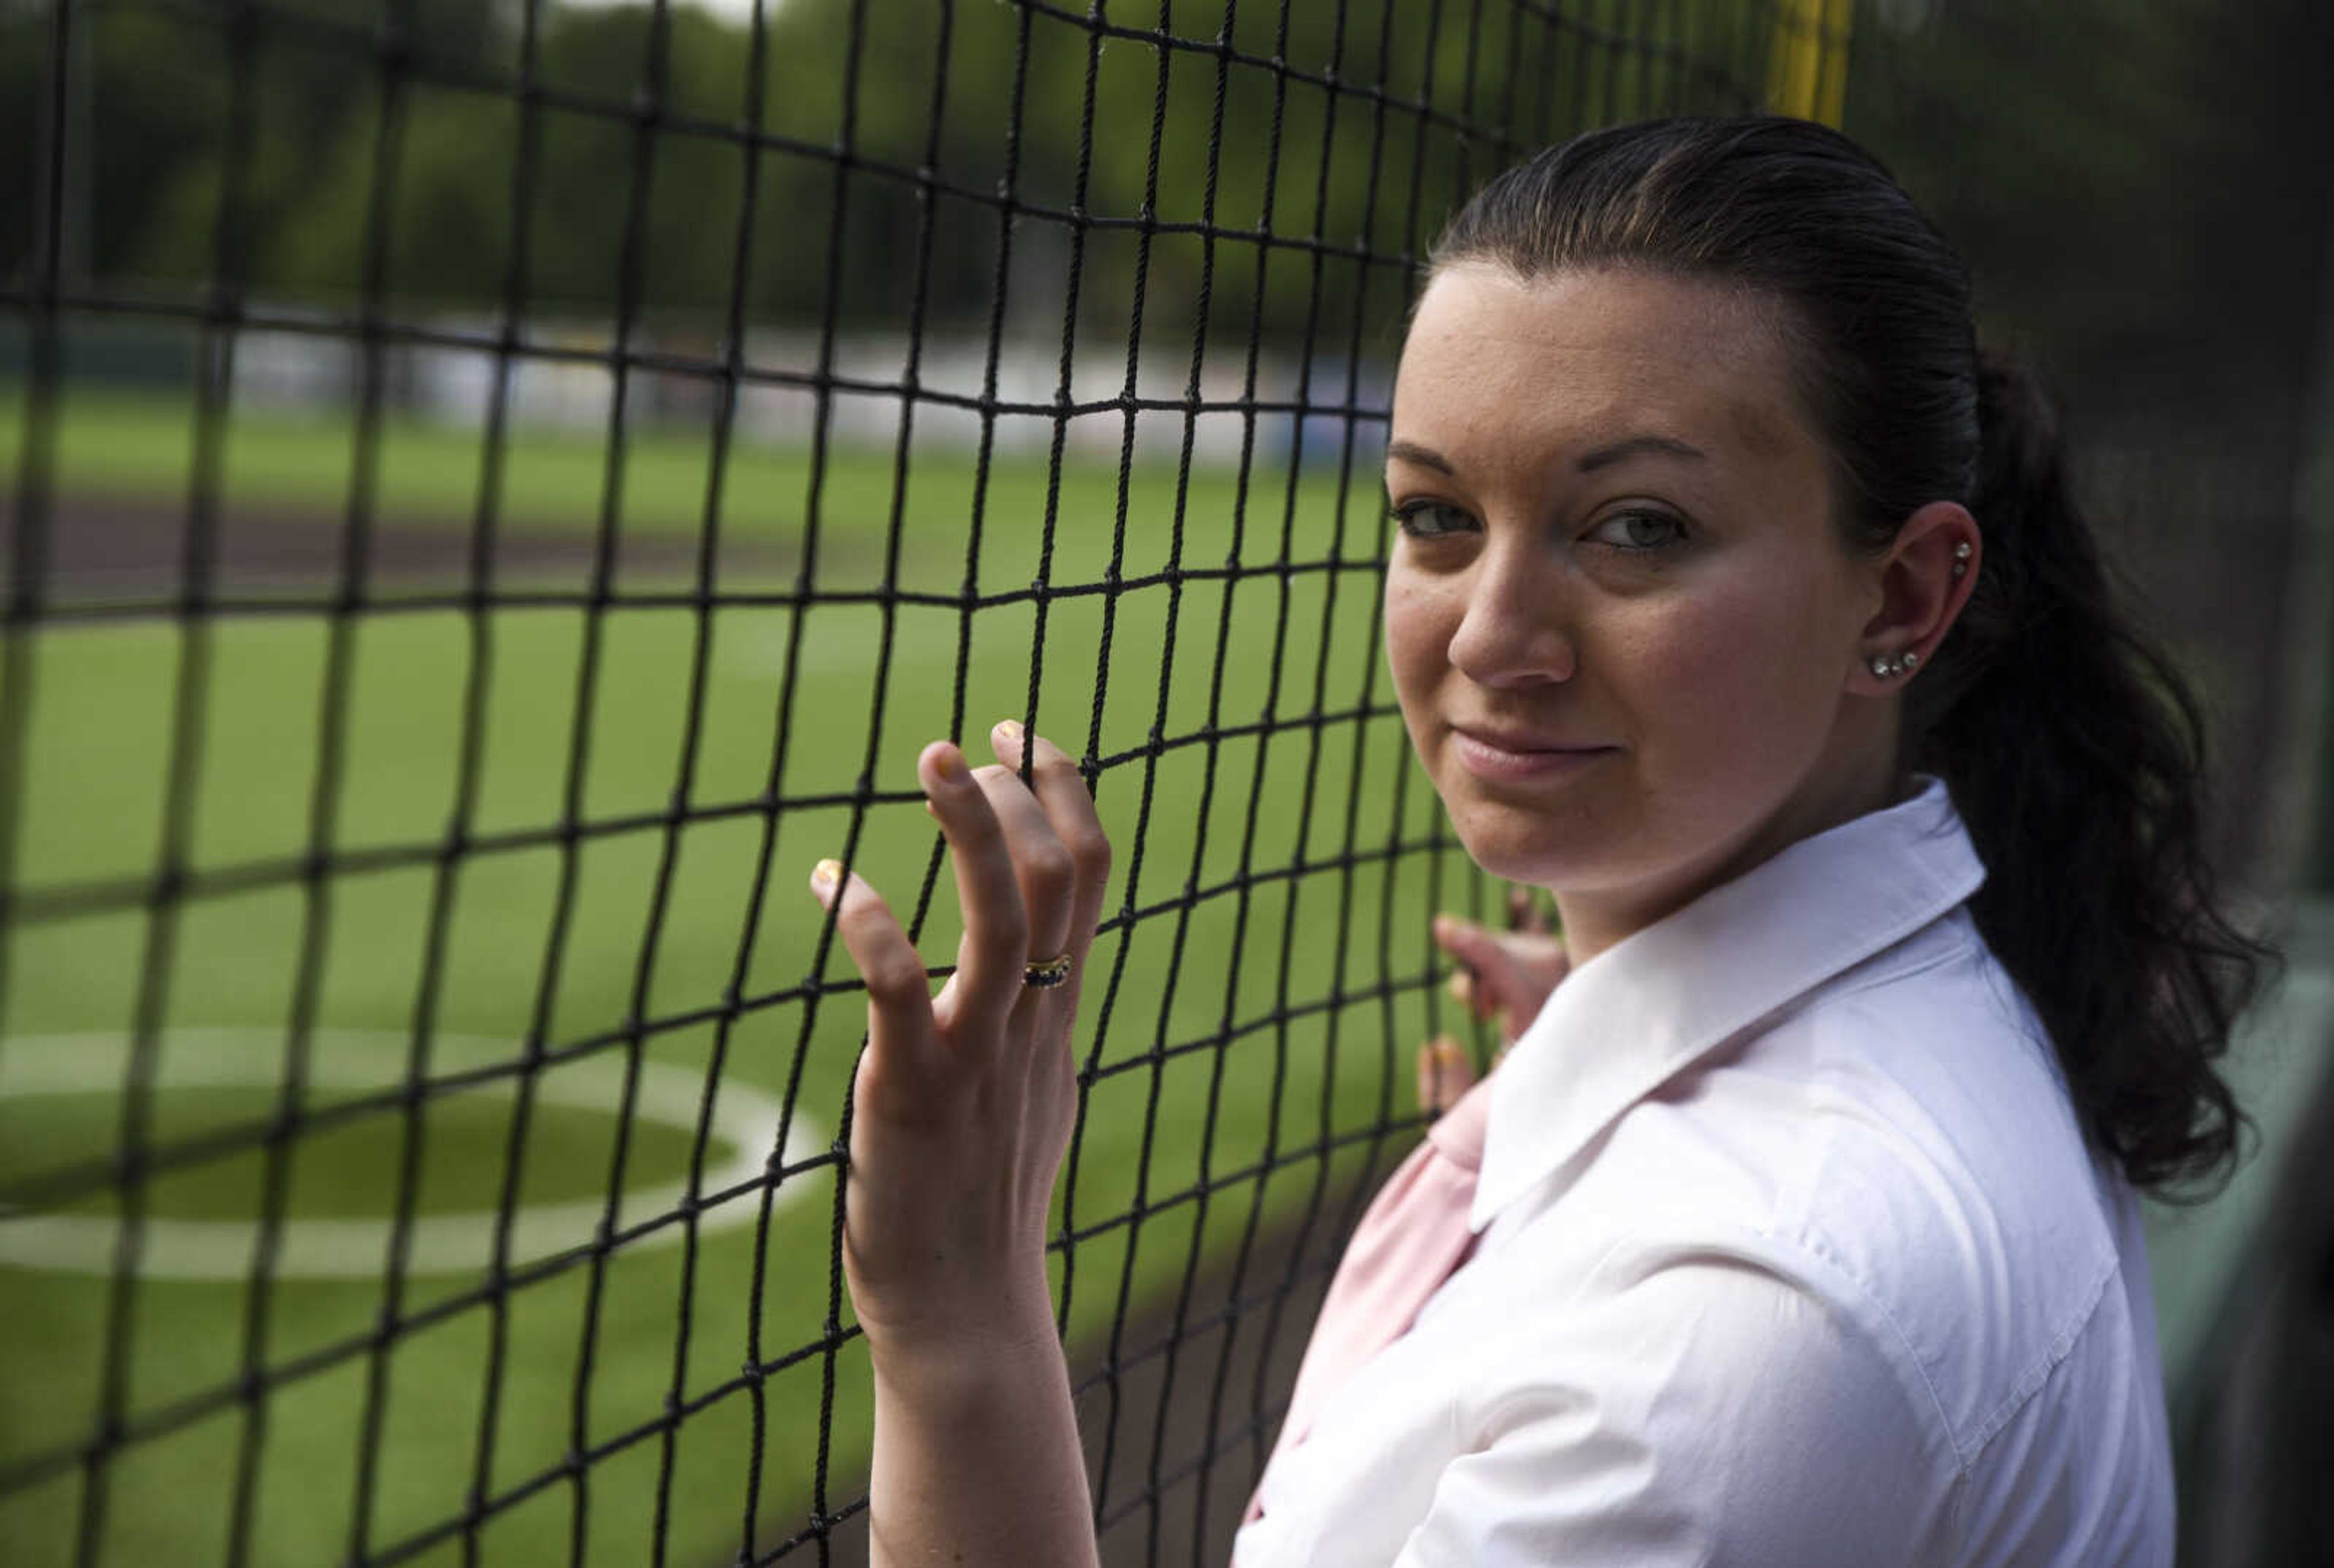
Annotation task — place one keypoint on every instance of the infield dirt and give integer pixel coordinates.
(97, 549)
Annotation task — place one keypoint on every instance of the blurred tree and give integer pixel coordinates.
(1321, 144)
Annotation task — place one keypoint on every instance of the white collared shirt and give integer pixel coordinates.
(1792, 1253)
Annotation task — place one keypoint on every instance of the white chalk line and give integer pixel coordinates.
(363, 1062)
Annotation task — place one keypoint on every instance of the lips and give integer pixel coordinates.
(1523, 741)
(1517, 756)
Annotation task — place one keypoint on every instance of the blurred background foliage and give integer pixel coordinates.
(992, 102)
(2141, 180)
(2142, 185)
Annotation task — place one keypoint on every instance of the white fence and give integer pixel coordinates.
(571, 390)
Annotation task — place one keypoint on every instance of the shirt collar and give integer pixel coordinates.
(1620, 1025)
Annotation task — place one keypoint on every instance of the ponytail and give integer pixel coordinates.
(2075, 752)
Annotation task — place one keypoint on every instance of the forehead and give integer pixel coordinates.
(1500, 370)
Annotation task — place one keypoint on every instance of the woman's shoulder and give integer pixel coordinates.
(1873, 1207)
(1926, 1174)
(1896, 1145)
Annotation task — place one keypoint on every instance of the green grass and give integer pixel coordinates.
(346, 1171)
(93, 809)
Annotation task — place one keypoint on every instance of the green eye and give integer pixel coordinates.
(1431, 519)
(1639, 530)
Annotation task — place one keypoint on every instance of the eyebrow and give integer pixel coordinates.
(1619, 451)
(1424, 458)
(1603, 457)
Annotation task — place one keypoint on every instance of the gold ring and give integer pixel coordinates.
(1046, 974)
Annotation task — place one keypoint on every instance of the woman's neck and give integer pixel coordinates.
(1595, 919)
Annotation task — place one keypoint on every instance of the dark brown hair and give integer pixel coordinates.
(2072, 746)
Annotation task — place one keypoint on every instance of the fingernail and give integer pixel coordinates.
(1443, 1073)
(1009, 731)
(824, 877)
(950, 766)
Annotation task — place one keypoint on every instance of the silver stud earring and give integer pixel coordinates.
(1886, 667)
(1962, 553)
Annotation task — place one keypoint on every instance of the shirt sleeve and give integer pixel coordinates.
(1698, 1408)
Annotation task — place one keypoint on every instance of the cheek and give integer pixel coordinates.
(1417, 640)
(1738, 682)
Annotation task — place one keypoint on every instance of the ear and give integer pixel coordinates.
(1925, 580)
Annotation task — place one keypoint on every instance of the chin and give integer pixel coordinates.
(1540, 854)
(1591, 843)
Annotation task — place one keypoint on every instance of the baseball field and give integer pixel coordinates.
(371, 954)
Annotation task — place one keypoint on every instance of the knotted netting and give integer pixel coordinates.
(495, 492)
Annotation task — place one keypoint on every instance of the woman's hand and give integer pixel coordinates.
(1505, 976)
(960, 1115)
(964, 1102)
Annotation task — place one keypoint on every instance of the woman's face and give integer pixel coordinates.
(1621, 623)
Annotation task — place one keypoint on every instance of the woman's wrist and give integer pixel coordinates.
(977, 1458)
(945, 1375)
(958, 1360)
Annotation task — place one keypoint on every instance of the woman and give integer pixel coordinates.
(1740, 603)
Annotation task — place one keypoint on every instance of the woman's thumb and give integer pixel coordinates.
(1462, 939)
(1487, 964)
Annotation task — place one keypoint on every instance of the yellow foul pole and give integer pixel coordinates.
(1806, 69)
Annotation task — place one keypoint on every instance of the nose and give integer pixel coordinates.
(1517, 630)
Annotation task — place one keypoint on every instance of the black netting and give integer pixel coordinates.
(497, 491)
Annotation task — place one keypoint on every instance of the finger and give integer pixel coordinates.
(1479, 1002)
(899, 991)
(1486, 960)
(996, 944)
(1444, 1073)
(1049, 873)
(1450, 932)
(1046, 875)
(1492, 955)
(1537, 963)
(1069, 806)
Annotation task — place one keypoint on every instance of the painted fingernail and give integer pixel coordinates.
(950, 766)
(824, 877)
(1009, 731)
